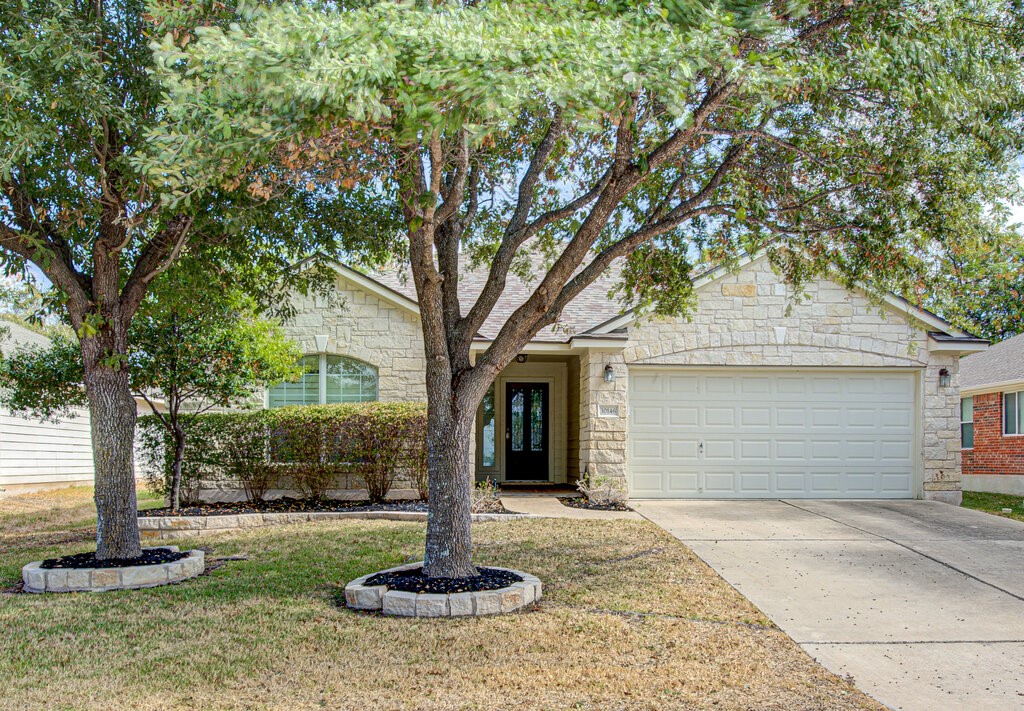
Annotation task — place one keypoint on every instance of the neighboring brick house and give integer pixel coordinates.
(755, 396)
(992, 417)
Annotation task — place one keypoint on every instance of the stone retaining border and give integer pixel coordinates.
(155, 528)
(380, 598)
(38, 579)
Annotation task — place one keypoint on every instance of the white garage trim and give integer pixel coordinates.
(774, 433)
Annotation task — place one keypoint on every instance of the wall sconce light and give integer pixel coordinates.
(521, 358)
(609, 374)
(944, 378)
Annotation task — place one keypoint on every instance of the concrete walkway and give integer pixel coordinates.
(922, 603)
(550, 507)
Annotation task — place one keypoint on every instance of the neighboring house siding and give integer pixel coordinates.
(748, 319)
(996, 459)
(371, 329)
(34, 453)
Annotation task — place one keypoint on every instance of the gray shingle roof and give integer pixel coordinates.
(999, 363)
(591, 308)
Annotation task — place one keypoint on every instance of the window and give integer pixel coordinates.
(487, 455)
(967, 422)
(328, 379)
(1013, 413)
(304, 391)
(350, 380)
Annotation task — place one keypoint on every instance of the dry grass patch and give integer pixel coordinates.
(630, 619)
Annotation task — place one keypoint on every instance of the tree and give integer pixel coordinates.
(79, 100)
(186, 356)
(554, 138)
(980, 286)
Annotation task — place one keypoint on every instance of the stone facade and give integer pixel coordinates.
(367, 327)
(603, 411)
(749, 318)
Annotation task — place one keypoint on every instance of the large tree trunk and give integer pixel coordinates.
(112, 413)
(449, 549)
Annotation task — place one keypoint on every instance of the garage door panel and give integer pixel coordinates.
(773, 434)
(683, 416)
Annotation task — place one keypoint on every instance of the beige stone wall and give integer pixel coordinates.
(371, 329)
(603, 413)
(750, 319)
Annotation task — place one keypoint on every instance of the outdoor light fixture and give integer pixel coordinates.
(521, 358)
(944, 378)
(609, 374)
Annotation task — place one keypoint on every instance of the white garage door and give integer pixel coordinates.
(771, 434)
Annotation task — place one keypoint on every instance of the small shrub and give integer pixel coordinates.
(245, 448)
(486, 497)
(602, 490)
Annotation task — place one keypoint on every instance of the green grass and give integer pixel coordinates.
(995, 503)
(630, 618)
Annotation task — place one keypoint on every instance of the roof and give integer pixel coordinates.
(592, 307)
(20, 336)
(1002, 363)
(595, 313)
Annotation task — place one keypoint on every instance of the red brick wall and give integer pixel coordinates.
(993, 452)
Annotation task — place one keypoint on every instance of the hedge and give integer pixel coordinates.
(307, 448)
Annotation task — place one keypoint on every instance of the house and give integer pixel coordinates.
(835, 397)
(38, 455)
(992, 418)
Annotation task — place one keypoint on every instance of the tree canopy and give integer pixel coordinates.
(555, 137)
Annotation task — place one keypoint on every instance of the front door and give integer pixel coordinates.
(526, 431)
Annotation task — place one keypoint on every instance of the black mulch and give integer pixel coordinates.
(578, 502)
(150, 556)
(292, 505)
(413, 580)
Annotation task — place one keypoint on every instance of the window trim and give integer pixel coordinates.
(323, 375)
(1018, 398)
(966, 422)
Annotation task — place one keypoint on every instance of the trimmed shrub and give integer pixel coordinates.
(310, 449)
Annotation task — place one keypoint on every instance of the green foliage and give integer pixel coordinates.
(311, 449)
(210, 351)
(847, 132)
(43, 382)
(979, 286)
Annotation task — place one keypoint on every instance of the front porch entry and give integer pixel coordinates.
(528, 424)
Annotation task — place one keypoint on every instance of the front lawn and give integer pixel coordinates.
(995, 503)
(630, 619)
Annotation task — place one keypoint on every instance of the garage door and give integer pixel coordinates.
(771, 434)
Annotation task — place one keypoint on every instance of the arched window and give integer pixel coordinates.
(350, 380)
(328, 379)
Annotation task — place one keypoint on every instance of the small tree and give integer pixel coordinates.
(78, 99)
(190, 351)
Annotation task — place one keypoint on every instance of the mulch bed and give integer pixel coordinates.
(578, 502)
(150, 556)
(414, 581)
(292, 505)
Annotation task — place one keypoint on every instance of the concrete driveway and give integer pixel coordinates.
(922, 603)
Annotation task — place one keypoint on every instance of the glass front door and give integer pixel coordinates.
(526, 431)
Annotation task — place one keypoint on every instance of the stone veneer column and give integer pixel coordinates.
(603, 415)
(942, 431)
